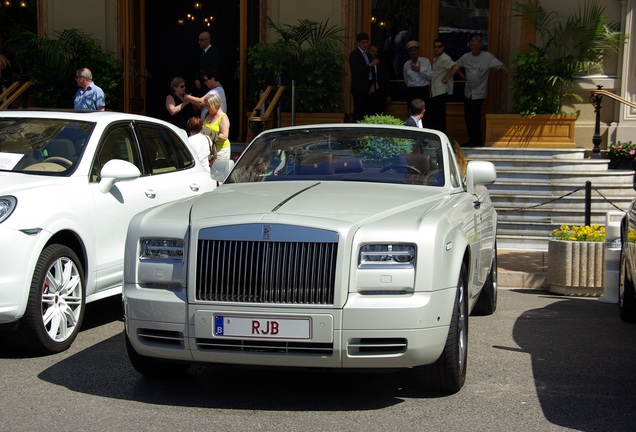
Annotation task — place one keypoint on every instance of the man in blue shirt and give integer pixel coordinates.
(89, 96)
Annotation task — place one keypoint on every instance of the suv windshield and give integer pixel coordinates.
(367, 154)
(42, 146)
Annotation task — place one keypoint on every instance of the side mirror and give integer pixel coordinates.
(479, 173)
(221, 169)
(116, 170)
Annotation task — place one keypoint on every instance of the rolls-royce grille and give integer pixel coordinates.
(266, 272)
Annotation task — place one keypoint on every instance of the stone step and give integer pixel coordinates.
(538, 190)
(529, 164)
(620, 186)
(575, 177)
(492, 153)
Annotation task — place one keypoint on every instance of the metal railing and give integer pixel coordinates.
(13, 92)
(596, 99)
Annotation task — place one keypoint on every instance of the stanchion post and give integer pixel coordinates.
(588, 203)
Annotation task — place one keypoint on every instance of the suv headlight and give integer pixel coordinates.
(7, 205)
(375, 255)
(162, 249)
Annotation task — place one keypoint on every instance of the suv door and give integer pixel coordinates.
(115, 208)
(171, 165)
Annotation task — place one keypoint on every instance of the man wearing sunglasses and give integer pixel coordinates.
(441, 85)
(88, 96)
(209, 58)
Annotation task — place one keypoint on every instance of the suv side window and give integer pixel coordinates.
(164, 150)
(119, 143)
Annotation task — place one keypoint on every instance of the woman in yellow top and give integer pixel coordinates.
(218, 122)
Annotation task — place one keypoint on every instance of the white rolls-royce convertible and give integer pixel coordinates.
(330, 246)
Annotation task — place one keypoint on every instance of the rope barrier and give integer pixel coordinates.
(520, 209)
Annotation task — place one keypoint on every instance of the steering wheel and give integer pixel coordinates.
(398, 167)
(60, 161)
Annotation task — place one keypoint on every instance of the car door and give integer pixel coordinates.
(170, 164)
(115, 208)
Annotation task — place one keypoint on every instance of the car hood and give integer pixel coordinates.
(11, 183)
(344, 201)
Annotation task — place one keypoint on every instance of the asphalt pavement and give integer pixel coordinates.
(540, 363)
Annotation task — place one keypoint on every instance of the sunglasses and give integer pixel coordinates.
(437, 46)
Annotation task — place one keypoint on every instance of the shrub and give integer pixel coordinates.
(51, 65)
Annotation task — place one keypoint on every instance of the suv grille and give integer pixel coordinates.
(266, 272)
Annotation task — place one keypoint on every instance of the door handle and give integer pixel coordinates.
(195, 187)
(150, 193)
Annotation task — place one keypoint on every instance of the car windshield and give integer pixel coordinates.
(42, 146)
(368, 154)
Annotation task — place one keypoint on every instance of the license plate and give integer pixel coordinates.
(260, 327)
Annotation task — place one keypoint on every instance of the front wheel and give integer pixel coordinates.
(448, 373)
(55, 308)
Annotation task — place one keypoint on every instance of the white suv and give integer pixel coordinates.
(70, 182)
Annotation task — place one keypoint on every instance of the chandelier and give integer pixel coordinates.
(15, 3)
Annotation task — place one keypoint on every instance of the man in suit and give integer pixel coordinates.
(417, 108)
(209, 58)
(381, 95)
(361, 78)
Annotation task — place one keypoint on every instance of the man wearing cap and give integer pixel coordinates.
(417, 75)
(362, 82)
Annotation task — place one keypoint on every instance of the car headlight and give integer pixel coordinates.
(7, 205)
(372, 255)
(162, 249)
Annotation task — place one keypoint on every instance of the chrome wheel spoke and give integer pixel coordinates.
(61, 299)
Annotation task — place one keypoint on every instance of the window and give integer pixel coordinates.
(165, 152)
(119, 143)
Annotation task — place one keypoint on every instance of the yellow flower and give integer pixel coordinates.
(595, 233)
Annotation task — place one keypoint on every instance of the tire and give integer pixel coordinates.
(626, 296)
(448, 373)
(56, 304)
(153, 368)
(487, 302)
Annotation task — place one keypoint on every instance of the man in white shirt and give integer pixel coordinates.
(211, 80)
(441, 86)
(417, 73)
(477, 65)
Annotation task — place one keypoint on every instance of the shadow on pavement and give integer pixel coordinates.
(104, 370)
(583, 369)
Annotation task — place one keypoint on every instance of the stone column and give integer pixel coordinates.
(626, 128)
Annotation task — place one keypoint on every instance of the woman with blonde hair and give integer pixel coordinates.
(219, 124)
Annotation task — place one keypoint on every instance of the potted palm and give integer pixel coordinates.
(309, 53)
(544, 74)
(576, 260)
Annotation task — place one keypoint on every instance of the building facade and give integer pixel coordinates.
(156, 40)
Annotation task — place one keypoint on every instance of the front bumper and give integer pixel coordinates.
(371, 331)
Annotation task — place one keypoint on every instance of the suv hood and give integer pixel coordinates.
(11, 183)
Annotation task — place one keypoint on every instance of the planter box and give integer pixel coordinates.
(541, 130)
(576, 268)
